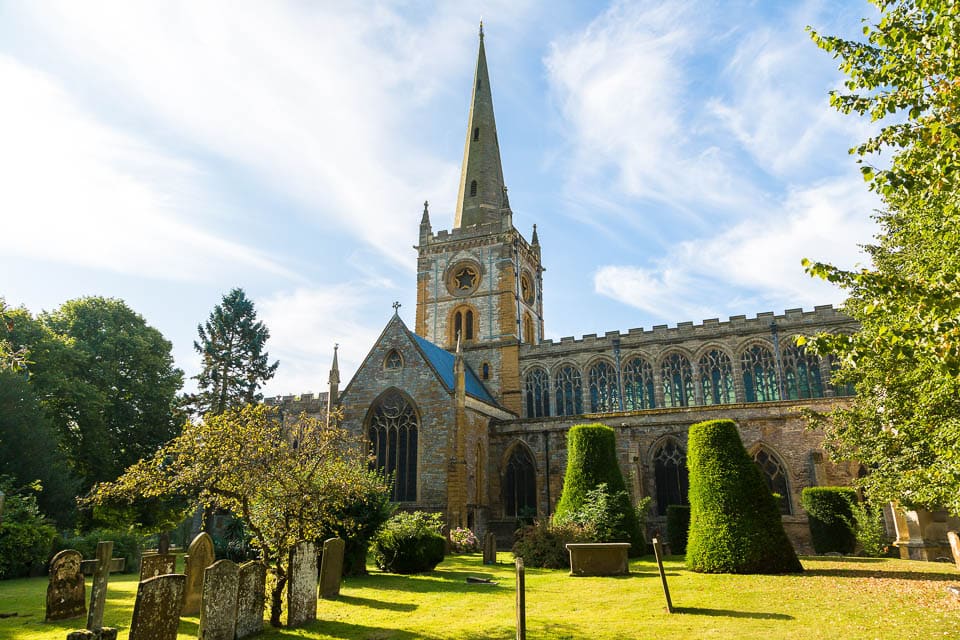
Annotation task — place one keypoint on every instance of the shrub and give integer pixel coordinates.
(592, 462)
(829, 512)
(870, 530)
(126, 544)
(735, 525)
(463, 540)
(678, 527)
(409, 543)
(543, 544)
(26, 537)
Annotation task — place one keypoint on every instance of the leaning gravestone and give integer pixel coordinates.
(331, 568)
(302, 585)
(489, 548)
(200, 557)
(252, 582)
(218, 608)
(98, 594)
(156, 564)
(66, 596)
(954, 546)
(156, 612)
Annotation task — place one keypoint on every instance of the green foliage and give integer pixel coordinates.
(678, 527)
(869, 529)
(357, 520)
(410, 543)
(735, 524)
(463, 540)
(11, 358)
(543, 544)
(26, 537)
(592, 462)
(904, 361)
(126, 544)
(829, 512)
(235, 363)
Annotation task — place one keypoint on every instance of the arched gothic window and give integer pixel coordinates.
(536, 392)
(463, 325)
(393, 360)
(716, 378)
(520, 485)
(670, 471)
(776, 476)
(473, 189)
(485, 371)
(847, 389)
(759, 374)
(638, 385)
(604, 396)
(476, 133)
(569, 390)
(801, 374)
(393, 439)
(677, 381)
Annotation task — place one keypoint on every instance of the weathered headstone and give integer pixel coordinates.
(954, 546)
(200, 556)
(331, 568)
(489, 548)
(106, 633)
(98, 594)
(156, 612)
(163, 543)
(218, 608)
(658, 552)
(302, 585)
(66, 596)
(252, 583)
(157, 564)
(521, 601)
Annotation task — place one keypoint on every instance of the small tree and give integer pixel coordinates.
(735, 524)
(592, 464)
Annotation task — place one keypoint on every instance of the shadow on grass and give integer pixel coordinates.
(886, 575)
(437, 580)
(339, 629)
(726, 613)
(375, 604)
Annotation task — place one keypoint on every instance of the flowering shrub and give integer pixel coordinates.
(462, 540)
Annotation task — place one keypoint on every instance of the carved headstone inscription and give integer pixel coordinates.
(98, 594)
(200, 557)
(302, 585)
(252, 583)
(157, 564)
(156, 612)
(331, 568)
(218, 608)
(66, 596)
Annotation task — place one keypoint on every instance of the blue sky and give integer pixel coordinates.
(679, 159)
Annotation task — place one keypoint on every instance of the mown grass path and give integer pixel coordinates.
(834, 598)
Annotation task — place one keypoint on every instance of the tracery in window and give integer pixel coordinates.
(392, 432)
(716, 378)
(569, 391)
(520, 485)
(775, 475)
(602, 381)
(536, 393)
(759, 374)
(638, 385)
(801, 373)
(393, 360)
(677, 380)
(670, 471)
(463, 325)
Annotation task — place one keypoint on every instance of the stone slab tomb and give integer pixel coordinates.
(331, 568)
(157, 564)
(598, 558)
(302, 585)
(251, 586)
(200, 556)
(66, 596)
(218, 606)
(156, 612)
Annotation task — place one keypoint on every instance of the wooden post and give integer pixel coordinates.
(521, 602)
(658, 552)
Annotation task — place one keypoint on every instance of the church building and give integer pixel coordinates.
(470, 407)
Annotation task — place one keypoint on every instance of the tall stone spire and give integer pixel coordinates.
(482, 197)
(333, 394)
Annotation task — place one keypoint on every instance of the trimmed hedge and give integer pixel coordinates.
(409, 543)
(592, 461)
(678, 527)
(830, 514)
(735, 525)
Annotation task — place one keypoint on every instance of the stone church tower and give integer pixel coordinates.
(482, 280)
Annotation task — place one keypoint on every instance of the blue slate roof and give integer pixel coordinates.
(442, 362)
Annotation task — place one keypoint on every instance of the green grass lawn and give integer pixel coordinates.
(853, 598)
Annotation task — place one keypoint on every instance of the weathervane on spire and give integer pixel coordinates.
(481, 28)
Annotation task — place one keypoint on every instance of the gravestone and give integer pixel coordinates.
(200, 557)
(98, 593)
(489, 548)
(163, 543)
(954, 546)
(331, 568)
(521, 608)
(302, 585)
(251, 585)
(66, 596)
(218, 608)
(156, 612)
(89, 567)
(156, 564)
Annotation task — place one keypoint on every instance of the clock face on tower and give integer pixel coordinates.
(463, 279)
(526, 289)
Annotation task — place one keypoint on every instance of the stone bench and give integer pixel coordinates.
(598, 558)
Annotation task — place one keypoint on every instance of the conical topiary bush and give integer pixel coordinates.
(735, 524)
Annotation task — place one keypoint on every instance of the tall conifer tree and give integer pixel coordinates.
(235, 361)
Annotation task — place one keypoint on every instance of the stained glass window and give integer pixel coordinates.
(801, 373)
(537, 394)
(569, 391)
(520, 485)
(776, 476)
(716, 378)
(677, 381)
(759, 374)
(393, 440)
(638, 385)
(604, 396)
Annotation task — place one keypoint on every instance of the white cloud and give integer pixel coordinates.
(79, 192)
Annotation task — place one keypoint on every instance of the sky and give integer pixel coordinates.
(678, 158)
